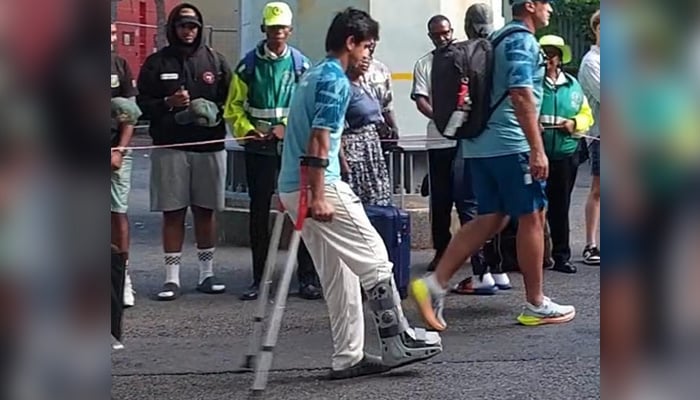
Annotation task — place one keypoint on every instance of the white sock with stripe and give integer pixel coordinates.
(172, 268)
(206, 263)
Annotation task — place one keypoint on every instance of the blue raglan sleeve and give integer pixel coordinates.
(521, 57)
(330, 102)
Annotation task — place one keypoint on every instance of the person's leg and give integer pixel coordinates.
(121, 185)
(173, 238)
(120, 231)
(591, 253)
(261, 173)
(526, 200)
(341, 288)
(481, 282)
(558, 189)
(207, 193)
(174, 230)
(441, 199)
(306, 274)
(358, 245)
(170, 194)
(429, 292)
(530, 245)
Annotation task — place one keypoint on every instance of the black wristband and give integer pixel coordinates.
(314, 162)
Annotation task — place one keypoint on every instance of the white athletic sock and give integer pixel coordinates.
(434, 285)
(501, 279)
(206, 263)
(172, 268)
(486, 282)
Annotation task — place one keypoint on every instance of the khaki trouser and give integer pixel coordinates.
(347, 252)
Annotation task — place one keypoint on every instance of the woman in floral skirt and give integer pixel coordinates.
(363, 164)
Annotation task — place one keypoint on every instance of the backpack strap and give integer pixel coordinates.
(495, 41)
(248, 73)
(300, 65)
(248, 62)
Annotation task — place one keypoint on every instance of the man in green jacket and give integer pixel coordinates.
(257, 109)
(565, 115)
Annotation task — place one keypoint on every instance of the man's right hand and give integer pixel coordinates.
(255, 134)
(539, 165)
(322, 210)
(181, 98)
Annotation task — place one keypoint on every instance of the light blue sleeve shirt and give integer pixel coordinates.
(518, 64)
(319, 102)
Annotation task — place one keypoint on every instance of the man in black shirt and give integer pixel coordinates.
(182, 89)
(122, 86)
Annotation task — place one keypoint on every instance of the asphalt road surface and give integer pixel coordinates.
(192, 348)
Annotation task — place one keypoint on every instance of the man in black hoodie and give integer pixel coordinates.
(182, 89)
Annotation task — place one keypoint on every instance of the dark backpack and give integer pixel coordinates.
(462, 77)
(250, 58)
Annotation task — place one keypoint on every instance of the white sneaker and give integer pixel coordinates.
(117, 345)
(547, 313)
(129, 292)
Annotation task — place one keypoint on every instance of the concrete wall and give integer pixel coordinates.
(311, 21)
(403, 40)
(224, 18)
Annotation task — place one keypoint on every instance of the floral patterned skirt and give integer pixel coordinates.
(368, 176)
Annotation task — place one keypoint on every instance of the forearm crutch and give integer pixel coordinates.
(265, 284)
(264, 360)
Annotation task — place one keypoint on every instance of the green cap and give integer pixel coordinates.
(201, 112)
(125, 111)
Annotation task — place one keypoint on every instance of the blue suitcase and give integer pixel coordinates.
(394, 226)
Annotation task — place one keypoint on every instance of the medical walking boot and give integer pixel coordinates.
(401, 344)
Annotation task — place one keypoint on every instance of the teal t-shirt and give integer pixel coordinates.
(518, 64)
(319, 102)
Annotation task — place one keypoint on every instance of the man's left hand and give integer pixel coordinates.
(117, 159)
(569, 126)
(278, 132)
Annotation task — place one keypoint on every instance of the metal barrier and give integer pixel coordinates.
(401, 164)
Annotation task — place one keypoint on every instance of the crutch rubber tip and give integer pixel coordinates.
(256, 394)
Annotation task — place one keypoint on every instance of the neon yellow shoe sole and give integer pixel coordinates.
(531, 320)
(421, 295)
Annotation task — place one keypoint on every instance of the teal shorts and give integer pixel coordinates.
(121, 185)
(503, 185)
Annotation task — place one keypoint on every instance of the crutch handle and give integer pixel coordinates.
(303, 210)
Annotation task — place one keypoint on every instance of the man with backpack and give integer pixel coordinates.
(508, 164)
(487, 278)
(256, 109)
(441, 151)
(181, 90)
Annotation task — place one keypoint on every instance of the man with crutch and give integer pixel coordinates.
(345, 247)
